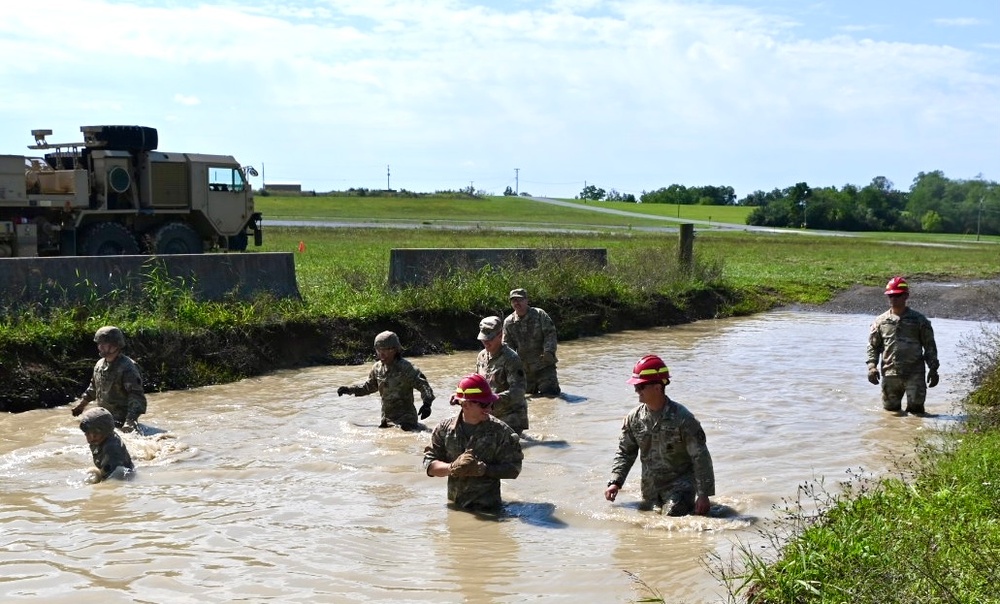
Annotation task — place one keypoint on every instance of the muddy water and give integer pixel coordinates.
(274, 489)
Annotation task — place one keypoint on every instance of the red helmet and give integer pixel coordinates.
(896, 285)
(474, 387)
(650, 369)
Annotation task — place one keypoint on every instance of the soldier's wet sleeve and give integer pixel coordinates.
(701, 459)
(628, 449)
(930, 346)
(516, 382)
(549, 339)
(421, 385)
(508, 458)
(132, 384)
(368, 386)
(509, 335)
(875, 345)
(435, 451)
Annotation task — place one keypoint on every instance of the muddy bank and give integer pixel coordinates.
(55, 372)
(963, 301)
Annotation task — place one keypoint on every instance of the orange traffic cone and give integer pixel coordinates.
(302, 246)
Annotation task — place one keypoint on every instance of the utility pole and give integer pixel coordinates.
(387, 187)
(516, 178)
(979, 219)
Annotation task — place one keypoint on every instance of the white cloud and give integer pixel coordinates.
(187, 100)
(959, 22)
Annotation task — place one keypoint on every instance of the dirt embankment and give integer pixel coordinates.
(49, 374)
(964, 301)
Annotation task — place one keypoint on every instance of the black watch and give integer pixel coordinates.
(614, 482)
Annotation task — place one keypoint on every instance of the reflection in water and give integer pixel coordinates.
(275, 489)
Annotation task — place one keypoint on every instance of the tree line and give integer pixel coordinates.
(933, 204)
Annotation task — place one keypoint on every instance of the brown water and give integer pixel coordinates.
(276, 490)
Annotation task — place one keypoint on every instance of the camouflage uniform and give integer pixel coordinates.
(110, 453)
(533, 337)
(117, 387)
(903, 344)
(395, 384)
(676, 464)
(493, 443)
(506, 376)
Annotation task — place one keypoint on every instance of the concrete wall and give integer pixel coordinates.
(75, 279)
(409, 267)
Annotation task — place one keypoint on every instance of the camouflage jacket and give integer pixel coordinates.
(117, 386)
(902, 343)
(531, 336)
(110, 454)
(395, 384)
(671, 446)
(506, 376)
(492, 442)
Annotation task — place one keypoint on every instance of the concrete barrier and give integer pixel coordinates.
(76, 279)
(420, 266)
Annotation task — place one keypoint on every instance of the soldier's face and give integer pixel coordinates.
(107, 350)
(473, 412)
(386, 355)
(492, 346)
(94, 437)
(520, 305)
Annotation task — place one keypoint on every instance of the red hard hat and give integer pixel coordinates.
(474, 387)
(650, 369)
(896, 285)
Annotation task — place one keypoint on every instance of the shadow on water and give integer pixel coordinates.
(535, 514)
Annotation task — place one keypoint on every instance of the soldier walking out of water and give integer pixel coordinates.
(677, 471)
(902, 341)
(474, 449)
(395, 379)
(106, 446)
(502, 368)
(532, 334)
(116, 384)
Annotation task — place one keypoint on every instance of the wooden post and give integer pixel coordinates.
(685, 247)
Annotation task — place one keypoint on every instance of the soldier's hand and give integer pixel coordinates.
(932, 379)
(343, 390)
(467, 465)
(129, 426)
(611, 492)
(425, 410)
(873, 375)
(548, 358)
(78, 409)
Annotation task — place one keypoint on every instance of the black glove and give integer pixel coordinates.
(932, 379)
(425, 410)
(873, 375)
(129, 426)
(343, 390)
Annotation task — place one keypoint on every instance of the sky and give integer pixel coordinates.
(542, 97)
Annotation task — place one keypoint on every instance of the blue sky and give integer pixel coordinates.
(631, 96)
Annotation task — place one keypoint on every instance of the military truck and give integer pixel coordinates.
(114, 193)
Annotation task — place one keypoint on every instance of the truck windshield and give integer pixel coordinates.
(225, 179)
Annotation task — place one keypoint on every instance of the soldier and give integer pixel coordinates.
(677, 471)
(502, 368)
(532, 334)
(902, 340)
(110, 454)
(116, 384)
(395, 379)
(474, 449)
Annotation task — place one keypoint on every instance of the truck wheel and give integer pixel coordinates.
(108, 239)
(177, 238)
(238, 243)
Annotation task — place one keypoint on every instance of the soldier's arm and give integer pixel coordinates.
(508, 457)
(132, 384)
(875, 345)
(435, 454)
(628, 449)
(930, 346)
(549, 339)
(696, 445)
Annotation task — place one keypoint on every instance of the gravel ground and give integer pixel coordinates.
(964, 301)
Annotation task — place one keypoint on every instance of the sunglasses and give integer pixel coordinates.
(641, 387)
(482, 405)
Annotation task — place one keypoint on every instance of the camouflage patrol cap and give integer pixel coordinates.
(111, 335)
(387, 339)
(489, 328)
(518, 293)
(99, 420)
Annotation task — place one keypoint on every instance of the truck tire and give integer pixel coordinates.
(238, 243)
(107, 239)
(177, 238)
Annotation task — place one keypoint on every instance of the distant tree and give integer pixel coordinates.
(592, 193)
